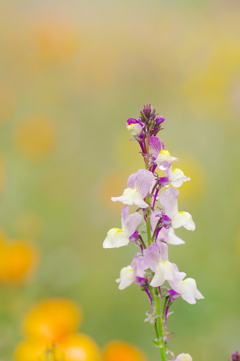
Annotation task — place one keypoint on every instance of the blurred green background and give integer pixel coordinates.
(71, 73)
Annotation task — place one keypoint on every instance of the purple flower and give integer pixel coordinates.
(235, 356)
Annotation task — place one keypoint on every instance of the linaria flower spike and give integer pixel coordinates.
(151, 227)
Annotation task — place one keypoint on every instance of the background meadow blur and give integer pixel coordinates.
(71, 73)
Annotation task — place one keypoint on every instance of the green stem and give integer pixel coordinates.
(148, 230)
(142, 242)
(160, 325)
(159, 321)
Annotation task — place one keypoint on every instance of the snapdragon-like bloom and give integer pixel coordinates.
(127, 277)
(139, 185)
(176, 177)
(134, 126)
(130, 274)
(164, 159)
(184, 357)
(157, 258)
(165, 232)
(187, 289)
(168, 200)
(120, 237)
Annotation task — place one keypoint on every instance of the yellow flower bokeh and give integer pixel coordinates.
(80, 347)
(122, 351)
(29, 350)
(55, 40)
(18, 261)
(35, 136)
(52, 319)
(113, 185)
(55, 321)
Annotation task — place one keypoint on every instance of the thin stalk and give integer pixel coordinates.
(148, 225)
(160, 325)
(159, 321)
(142, 242)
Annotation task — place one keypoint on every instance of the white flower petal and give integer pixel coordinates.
(158, 279)
(164, 272)
(184, 357)
(134, 129)
(164, 159)
(183, 219)
(131, 196)
(177, 177)
(189, 291)
(127, 277)
(115, 238)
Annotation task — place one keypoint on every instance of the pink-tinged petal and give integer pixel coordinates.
(168, 200)
(184, 357)
(139, 265)
(144, 182)
(155, 216)
(155, 146)
(168, 235)
(183, 219)
(130, 222)
(178, 275)
(163, 247)
(115, 238)
(152, 256)
(131, 180)
(127, 277)
(176, 284)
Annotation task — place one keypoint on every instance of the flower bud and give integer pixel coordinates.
(159, 120)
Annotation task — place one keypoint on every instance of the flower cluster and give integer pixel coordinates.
(51, 334)
(152, 195)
